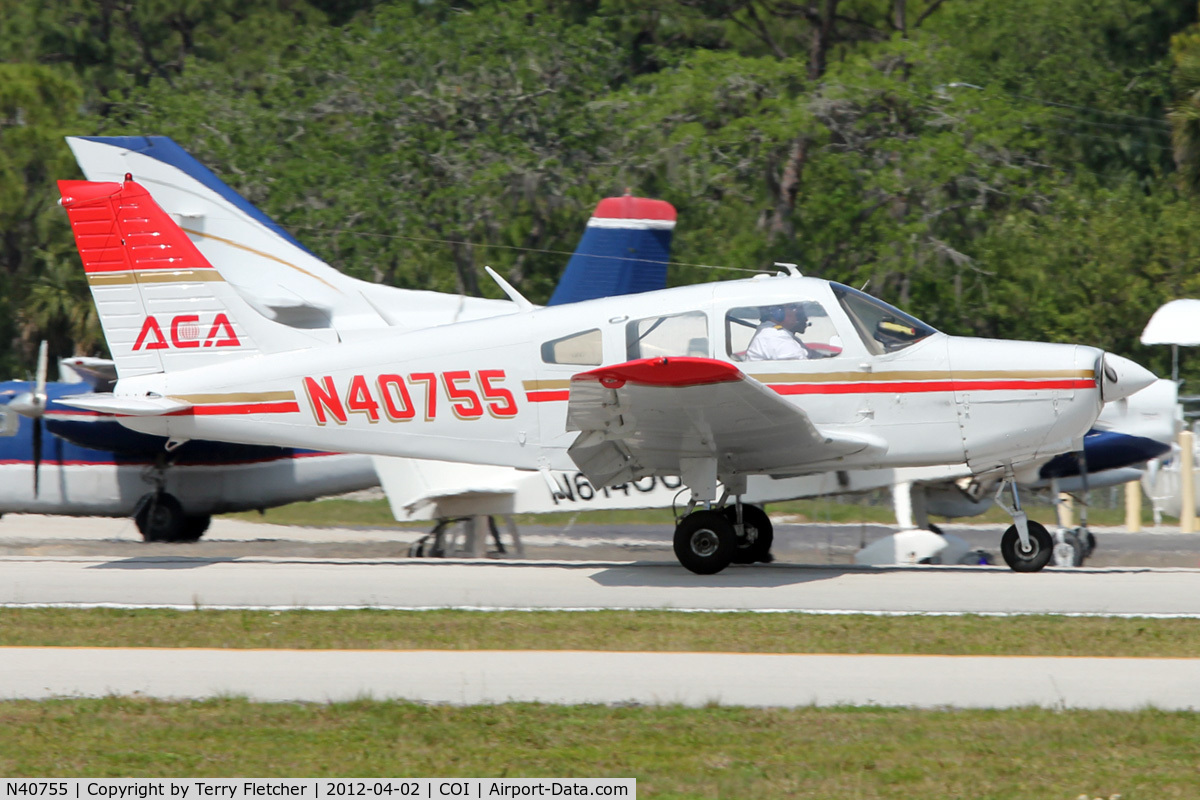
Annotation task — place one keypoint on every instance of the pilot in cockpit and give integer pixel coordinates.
(775, 337)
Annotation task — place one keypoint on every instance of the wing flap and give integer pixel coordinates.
(644, 417)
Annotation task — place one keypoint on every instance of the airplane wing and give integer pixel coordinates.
(643, 417)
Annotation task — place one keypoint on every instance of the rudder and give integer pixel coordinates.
(162, 305)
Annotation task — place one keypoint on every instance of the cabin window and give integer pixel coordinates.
(673, 335)
(578, 348)
(883, 328)
(820, 338)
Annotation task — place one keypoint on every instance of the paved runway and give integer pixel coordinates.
(274, 583)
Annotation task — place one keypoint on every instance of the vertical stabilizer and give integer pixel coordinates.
(162, 305)
(624, 250)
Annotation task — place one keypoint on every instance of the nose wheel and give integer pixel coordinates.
(1029, 557)
(1026, 546)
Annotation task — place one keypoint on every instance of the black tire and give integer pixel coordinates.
(760, 534)
(1069, 552)
(705, 542)
(1041, 548)
(160, 519)
(194, 526)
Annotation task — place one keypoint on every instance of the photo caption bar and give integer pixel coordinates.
(313, 788)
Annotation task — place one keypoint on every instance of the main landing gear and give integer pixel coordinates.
(710, 539)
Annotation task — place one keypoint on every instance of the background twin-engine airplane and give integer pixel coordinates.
(196, 360)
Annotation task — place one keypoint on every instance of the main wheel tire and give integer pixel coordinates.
(1068, 552)
(705, 542)
(193, 527)
(160, 519)
(760, 534)
(1041, 548)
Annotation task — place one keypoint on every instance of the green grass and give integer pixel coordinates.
(601, 630)
(673, 752)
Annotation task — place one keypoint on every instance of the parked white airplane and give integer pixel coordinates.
(196, 361)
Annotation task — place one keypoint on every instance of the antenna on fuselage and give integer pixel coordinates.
(791, 269)
(513, 294)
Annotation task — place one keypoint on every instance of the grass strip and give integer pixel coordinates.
(602, 630)
(673, 752)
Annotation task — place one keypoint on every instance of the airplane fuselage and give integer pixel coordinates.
(495, 391)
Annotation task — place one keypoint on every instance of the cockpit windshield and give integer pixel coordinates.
(883, 328)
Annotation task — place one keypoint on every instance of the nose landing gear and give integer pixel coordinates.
(1026, 546)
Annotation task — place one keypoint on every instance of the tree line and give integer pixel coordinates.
(1024, 169)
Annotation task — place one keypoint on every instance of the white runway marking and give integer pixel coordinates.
(691, 679)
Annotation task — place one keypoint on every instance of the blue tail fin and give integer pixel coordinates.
(624, 250)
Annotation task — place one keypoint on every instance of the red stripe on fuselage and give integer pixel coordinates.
(548, 395)
(906, 387)
(285, 407)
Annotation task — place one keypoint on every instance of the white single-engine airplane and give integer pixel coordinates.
(647, 384)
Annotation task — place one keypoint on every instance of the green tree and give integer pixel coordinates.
(392, 160)
(36, 109)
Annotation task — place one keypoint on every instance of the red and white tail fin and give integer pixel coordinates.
(162, 305)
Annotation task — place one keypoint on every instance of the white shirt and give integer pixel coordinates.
(772, 343)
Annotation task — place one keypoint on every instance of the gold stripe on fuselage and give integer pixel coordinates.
(235, 397)
(542, 386)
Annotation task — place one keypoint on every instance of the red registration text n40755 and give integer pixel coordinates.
(467, 394)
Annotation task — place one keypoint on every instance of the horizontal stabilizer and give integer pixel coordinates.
(126, 406)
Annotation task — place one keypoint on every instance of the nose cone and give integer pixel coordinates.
(1120, 377)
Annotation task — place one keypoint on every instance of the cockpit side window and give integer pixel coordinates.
(579, 348)
(818, 339)
(883, 328)
(671, 335)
